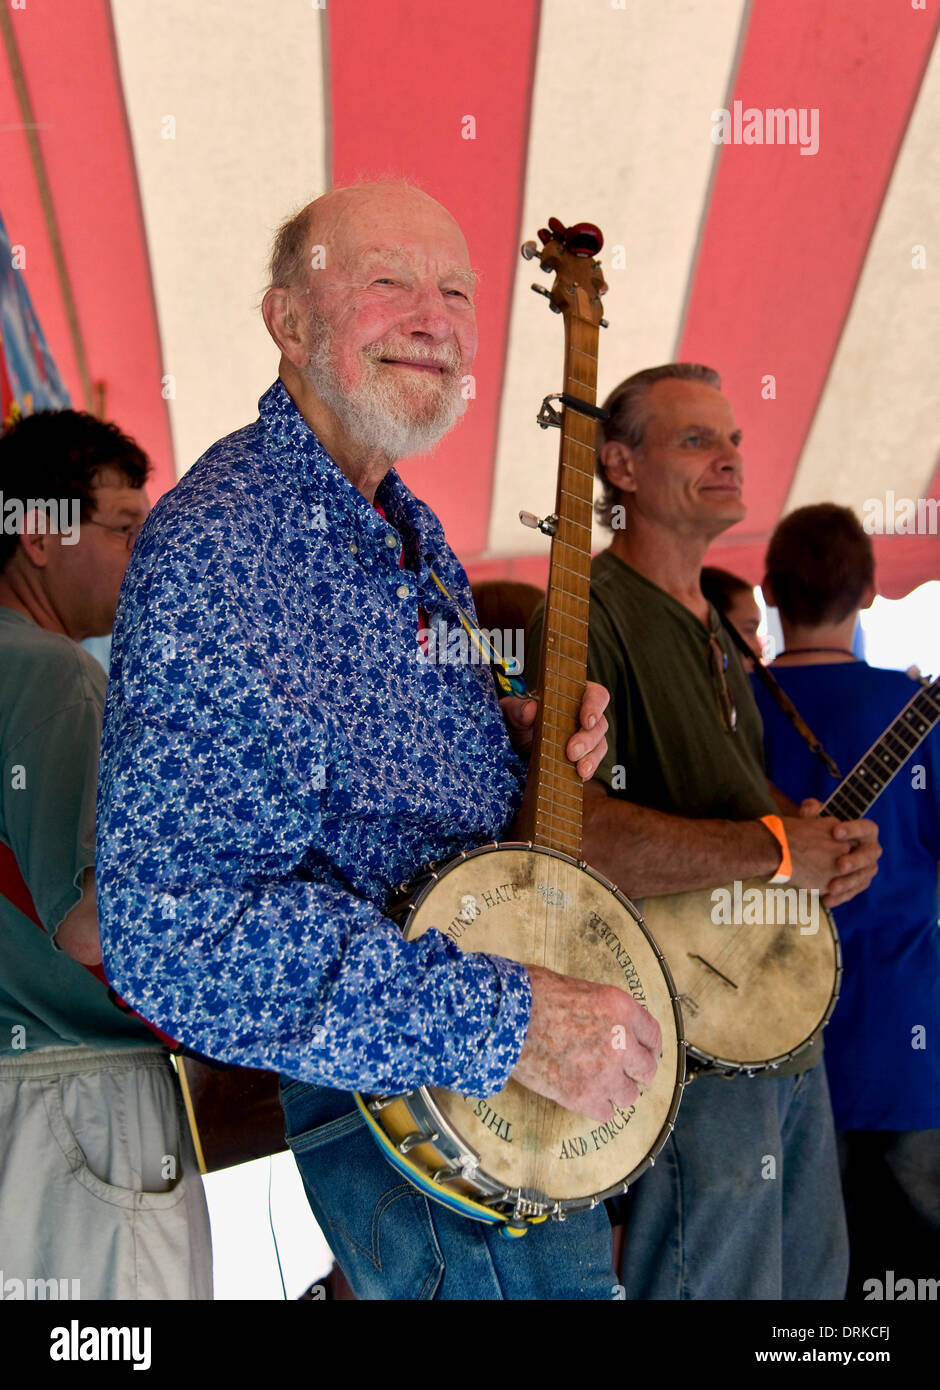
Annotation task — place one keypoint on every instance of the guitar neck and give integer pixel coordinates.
(868, 779)
(558, 801)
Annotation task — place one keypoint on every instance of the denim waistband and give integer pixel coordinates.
(308, 1106)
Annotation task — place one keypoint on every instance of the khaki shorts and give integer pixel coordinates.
(100, 1193)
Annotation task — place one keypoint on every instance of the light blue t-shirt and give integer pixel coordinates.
(51, 702)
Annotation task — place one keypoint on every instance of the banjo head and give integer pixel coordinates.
(757, 969)
(541, 907)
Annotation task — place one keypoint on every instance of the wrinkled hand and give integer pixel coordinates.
(840, 858)
(589, 1047)
(586, 748)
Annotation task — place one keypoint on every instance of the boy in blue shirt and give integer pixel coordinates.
(881, 1055)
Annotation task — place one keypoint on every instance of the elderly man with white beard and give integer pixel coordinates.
(278, 758)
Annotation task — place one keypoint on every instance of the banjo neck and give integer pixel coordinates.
(555, 819)
(868, 779)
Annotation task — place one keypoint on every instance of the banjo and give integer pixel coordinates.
(518, 1157)
(758, 968)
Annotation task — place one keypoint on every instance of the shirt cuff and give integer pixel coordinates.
(496, 1055)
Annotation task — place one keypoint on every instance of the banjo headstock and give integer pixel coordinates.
(570, 253)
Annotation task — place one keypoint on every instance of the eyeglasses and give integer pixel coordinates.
(130, 532)
(718, 660)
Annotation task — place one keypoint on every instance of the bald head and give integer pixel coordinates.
(324, 226)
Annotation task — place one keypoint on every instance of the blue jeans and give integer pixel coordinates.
(745, 1200)
(391, 1242)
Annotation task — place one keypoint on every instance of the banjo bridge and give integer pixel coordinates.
(713, 968)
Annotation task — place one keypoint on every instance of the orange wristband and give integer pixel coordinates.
(785, 868)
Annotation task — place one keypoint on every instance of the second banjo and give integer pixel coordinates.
(759, 976)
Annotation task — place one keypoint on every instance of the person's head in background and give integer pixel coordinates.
(667, 457)
(734, 597)
(820, 570)
(73, 501)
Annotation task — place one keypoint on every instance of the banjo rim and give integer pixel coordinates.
(422, 1106)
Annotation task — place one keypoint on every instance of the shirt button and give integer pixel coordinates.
(403, 591)
(353, 548)
(391, 539)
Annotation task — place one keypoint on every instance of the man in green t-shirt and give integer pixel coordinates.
(677, 805)
(100, 1196)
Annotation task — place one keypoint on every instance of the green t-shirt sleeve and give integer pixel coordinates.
(533, 642)
(50, 786)
(605, 665)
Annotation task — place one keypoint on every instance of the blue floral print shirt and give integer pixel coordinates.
(277, 758)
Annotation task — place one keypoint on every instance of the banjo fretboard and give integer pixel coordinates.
(868, 779)
(554, 820)
(565, 632)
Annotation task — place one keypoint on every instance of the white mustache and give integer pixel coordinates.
(447, 358)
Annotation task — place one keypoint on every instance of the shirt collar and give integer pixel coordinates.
(312, 468)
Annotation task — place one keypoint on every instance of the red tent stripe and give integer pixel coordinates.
(406, 82)
(69, 64)
(22, 213)
(773, 302)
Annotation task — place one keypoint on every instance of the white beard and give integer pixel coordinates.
(381, 413)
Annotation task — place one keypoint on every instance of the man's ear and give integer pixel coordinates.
(282, 321)
(767, 591)
(619, 465)
(34, 544)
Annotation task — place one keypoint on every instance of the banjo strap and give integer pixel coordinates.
(509, 682)
(509, 1226)
(781, 698)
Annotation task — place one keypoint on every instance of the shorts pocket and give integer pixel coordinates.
(64, 1135)
(378, 1226)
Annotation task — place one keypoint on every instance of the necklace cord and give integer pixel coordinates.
(782, 699)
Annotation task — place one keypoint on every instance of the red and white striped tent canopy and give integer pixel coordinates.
(148, 149)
